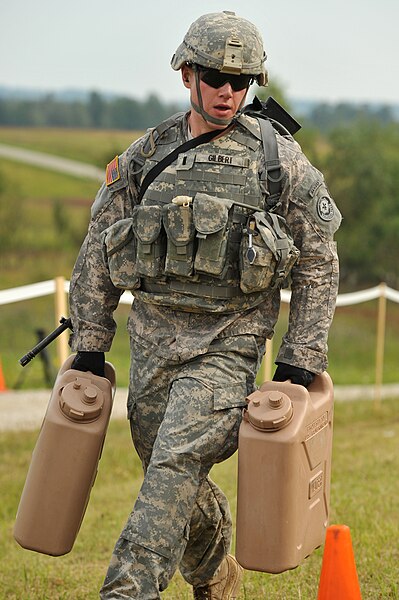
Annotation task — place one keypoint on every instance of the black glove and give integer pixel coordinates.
(90, 361)
(295, 374)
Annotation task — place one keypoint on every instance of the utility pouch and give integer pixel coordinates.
(267, 252)
(120, 254)
(150, 239)
(179, 226)
(212, 217)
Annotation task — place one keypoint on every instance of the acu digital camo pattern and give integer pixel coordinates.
(205, 45)
(184, 418)
(191, 371)
(311, 215)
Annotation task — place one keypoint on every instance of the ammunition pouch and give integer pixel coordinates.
(179, 226)
(186, 247)
(212, 216)
(120, 254)
(183, 240)
(150, 240)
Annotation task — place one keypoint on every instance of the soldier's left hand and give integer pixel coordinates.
(294, 374)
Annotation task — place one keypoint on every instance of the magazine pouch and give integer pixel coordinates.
(120, 254)
(179, 226)
(212, 217)
(150, 239)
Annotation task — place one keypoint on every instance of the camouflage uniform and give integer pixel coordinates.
(194, 358)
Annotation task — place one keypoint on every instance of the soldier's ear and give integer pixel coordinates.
(186, 74)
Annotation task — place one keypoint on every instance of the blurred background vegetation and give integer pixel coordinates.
(44, 215)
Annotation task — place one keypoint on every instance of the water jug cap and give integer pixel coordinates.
(270, 410)
(81, 400)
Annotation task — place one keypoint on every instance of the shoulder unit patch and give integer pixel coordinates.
(325, 208)
(112, 173)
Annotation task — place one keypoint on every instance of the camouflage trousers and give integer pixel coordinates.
(184, 418)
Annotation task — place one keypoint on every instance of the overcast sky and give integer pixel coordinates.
(317, 49)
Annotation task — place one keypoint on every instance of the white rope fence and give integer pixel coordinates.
(46, 288)
(60, 288)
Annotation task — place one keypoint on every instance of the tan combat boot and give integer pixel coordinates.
(225, 583)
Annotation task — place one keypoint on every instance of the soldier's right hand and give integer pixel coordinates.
(89, 361)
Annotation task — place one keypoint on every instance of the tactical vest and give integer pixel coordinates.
(202, 239)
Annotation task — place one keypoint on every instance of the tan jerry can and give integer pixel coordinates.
(65, 460)
(284, 472)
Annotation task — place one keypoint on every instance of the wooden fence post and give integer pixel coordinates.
(380, 344)
(61, 311)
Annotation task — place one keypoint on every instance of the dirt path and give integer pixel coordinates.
(48, 161)
(24, 410)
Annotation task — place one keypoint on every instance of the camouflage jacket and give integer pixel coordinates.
(311, 215)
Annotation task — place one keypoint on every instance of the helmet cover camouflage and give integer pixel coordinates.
(224, 42)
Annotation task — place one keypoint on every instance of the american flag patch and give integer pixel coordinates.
(112, 171)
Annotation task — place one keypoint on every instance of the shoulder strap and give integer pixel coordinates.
(272, 116)
(273, 165)
(161, 166)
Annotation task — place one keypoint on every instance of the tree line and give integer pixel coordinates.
(95, 111)
(99, 111)
(326, 117)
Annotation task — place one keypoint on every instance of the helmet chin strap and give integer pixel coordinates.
(200, 108)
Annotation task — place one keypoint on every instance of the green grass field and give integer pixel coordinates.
(92, 146)
(50, 210)
(364, 496)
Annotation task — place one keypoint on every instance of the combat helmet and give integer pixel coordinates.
(225, 42)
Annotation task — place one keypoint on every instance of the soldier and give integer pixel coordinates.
(189, 220)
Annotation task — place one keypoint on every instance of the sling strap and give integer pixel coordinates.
(165, 162)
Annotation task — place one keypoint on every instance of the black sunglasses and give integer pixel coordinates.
(216, 79)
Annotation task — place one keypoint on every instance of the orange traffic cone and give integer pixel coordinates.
(3, 387)
(338, 578)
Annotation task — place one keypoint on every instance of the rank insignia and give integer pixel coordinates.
(112, 171)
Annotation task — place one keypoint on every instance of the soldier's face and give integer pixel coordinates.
(222, 102)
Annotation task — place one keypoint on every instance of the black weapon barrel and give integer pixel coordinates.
(65, 324)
